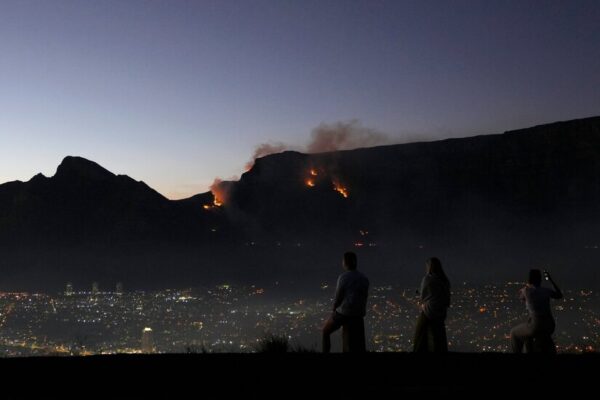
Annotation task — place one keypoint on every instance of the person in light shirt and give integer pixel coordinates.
(537, 301)
(349, 307)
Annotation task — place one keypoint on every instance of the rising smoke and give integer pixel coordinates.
(342, 135)
(265, 149)
(219, 191)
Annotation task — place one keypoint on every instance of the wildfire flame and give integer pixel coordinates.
(214, 205)
(338, 187)
(218, 193)
(310, 181)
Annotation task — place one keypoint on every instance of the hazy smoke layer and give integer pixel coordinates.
(265, 149)
(344, 136)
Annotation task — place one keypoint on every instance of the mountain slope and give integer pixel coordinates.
(495, 204)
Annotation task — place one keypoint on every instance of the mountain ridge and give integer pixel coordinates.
(535, 191)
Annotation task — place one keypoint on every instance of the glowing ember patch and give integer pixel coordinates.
(313, 172)
(310, 183)
(207, 206)
(340, 189)
(219, 192)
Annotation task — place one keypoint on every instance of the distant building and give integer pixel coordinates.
(147, 341)
(119, 289)
(69, 289)
(95, 288)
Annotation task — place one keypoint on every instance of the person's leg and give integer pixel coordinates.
(440, 341)
(420, 343)
(347, 336)
(528, 344)
(518, 335)
(542, 330)
(361, 342)
(551, 346)
(331, 325)
(354, 335)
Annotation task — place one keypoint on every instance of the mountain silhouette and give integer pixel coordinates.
(82, 201)
(495, 204)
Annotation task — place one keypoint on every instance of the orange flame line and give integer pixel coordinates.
(341, 190)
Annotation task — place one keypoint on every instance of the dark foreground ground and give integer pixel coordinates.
(289, 375)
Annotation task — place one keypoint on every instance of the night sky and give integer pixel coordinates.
(176, 93)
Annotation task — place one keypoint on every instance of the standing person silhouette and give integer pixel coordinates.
(540, 324)
(430, 332)
(349, 308)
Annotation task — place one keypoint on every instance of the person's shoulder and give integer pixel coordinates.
(355, 275)
(344, 275)
(363, 277)
(528, 289)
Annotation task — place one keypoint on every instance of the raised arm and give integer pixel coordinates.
(557, 292)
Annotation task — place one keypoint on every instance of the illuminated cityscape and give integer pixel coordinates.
(229, 318)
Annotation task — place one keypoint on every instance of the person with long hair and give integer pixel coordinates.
(430, 332)
(540, 324)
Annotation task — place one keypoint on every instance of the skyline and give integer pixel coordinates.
(348, 135)
(233, 318)
(179, 94)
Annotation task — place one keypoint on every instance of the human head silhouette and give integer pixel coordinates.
(350, 261)
(433, 266)
(535, 277)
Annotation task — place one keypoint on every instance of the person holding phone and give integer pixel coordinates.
(541, 323)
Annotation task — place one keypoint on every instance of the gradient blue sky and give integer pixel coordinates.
(175, 93)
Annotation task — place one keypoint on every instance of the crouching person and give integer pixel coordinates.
(540, 325)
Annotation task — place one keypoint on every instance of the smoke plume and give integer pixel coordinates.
(219, 192)
(344, 136)
(265, 149)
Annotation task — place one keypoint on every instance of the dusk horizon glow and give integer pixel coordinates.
(177, 94)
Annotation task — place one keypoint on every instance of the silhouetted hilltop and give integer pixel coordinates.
(80, 168)
(82, 201)
(506, 202)
(86, 223)
(542, 174)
